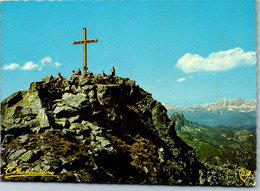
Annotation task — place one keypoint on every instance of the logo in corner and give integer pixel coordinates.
(15, 171)
(244, 174)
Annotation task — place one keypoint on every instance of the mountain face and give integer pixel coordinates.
(239, 113)
(239, 105)
(218, 146)
(94, 129)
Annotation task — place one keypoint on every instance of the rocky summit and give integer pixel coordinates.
(93, 129)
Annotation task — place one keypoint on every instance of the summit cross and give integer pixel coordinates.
(84, 42)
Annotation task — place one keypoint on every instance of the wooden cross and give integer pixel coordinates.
(84, 42)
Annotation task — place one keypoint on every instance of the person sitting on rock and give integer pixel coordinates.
(103, 74)
(73, 74)
(59, 77)
(59, 80)
(87, 71)
(113, 70)
(78, 72)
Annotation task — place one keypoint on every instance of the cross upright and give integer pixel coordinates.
(84, 42)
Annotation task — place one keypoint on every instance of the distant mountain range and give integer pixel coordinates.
(240, 113)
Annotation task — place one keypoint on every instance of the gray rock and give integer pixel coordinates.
(20, 105)
(88, 88)
(26, 156)
(81, 129)
(76, 126)
(17, 129)
(74, 119)
(131, 84)
(64, 122)
(7, 122)
(68, 132)
(75, 89)
(7, 138)
(79, 137)
(23, 138)
(43, 118)
(64, 161)
(67, 89)
(74, 79)
(18, 120)
(64, 111)
(2, 162)
(12, 163)
(16, 154)
(37, 129)
(22, 111)
(95, 130)
(47, 79)
(14, 98)
(103, 141)
(35, 85)
(106, 93)
(27, 118)
(84, 81)
(91, 94)
(74, 100)
(43, 167)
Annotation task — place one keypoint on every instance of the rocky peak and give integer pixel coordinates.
(179, 119)
(95, 129)
(239, 104)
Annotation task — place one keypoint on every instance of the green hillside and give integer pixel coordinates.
(218, 145)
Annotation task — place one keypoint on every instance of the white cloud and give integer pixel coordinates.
(11, 66)
(46, 59)
(57, 64)
(216, 61)
(29, 66)
(44, 62)
(159, 81)
(181, 79)
(47, 62)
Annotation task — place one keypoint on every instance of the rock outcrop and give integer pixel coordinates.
(94, 129)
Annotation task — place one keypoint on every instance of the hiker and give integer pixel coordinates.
(103, 73)
(59, 80)
(73, 74)
(59, 77)
(113, 70)
(78, 72)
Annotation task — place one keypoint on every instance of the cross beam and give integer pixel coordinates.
(84, 42)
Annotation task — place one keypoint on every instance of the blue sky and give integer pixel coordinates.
(183, 52)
